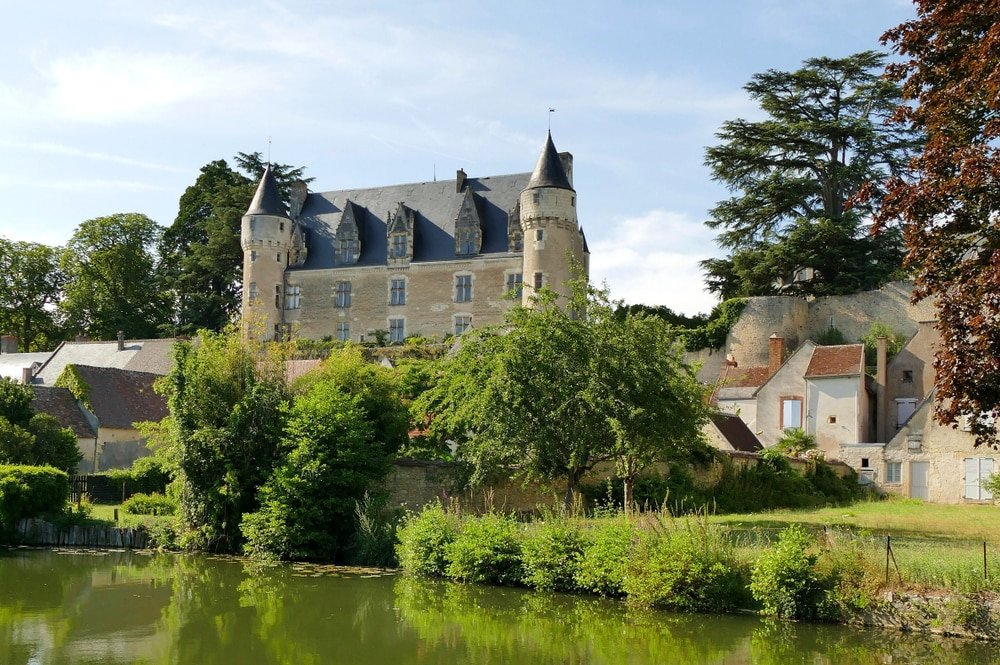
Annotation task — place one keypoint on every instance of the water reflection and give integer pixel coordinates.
(123, 607)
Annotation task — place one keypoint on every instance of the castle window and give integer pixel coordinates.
(514, 282)
(277, 296)
(343, 331)
(540, 235)
(346, 249)
(536, 197)
(463, 288)
(398, 249)
(539, 279)
(253, 292)
(343, 294)
(467, 242)
(893, 472)
(517, 242)
(281, 226)
(397, 291)
(572, 201)
(907, 376)
(253, 255)
(462, 323)
(292, 297)
(397, 330)
(277, 257)
(864, 463)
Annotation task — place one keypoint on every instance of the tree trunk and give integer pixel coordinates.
(627, 484)
(572, 480)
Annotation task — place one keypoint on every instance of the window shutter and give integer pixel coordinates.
(985, 471)
(971, 465)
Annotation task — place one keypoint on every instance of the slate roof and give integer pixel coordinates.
(840, 360)
(121, 397)
(736, 432)
(11, 364)
(436, 206)
(267, 198)
(61, 405)
(549, 171)
(141, 355)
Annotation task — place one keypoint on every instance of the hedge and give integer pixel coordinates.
(29, 491)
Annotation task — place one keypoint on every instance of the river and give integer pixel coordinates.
(104, 608)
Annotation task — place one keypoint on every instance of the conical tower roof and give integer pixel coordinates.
(267, 200)
(549, 171)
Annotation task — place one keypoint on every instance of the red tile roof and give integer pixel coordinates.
(745, 377)
(841, 360)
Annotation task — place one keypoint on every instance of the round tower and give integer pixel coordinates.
(266, 238)
(553, 244)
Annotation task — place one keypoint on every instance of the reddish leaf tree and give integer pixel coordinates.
(950, 76)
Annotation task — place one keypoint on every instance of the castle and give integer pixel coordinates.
(429, 259)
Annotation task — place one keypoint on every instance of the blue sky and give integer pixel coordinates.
(112, 107)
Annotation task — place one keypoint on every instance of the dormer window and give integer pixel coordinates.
(468, 242)
(516, 242)
(398, 248)
(347, 248)
(400, 235)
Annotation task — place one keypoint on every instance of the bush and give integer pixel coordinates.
(147, 475)
(689, 568)
(149, 504)
(422, 539)
(375, 532)
(601, 568)
(551, 552)
(30, 491)
(486, 550)
(784, 580)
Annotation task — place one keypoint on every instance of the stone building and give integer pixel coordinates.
(430, 259)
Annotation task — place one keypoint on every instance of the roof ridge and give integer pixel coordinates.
(421, 182)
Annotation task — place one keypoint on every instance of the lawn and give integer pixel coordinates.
(893, 516)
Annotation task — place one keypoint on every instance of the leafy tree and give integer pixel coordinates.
(951, 210)
(31, 287)
(201, 258)
(226, 398)
(111, 283)
(551, 393)
(794, 173)
(15, 402)
(32, 438)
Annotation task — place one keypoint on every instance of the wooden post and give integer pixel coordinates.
(887, 546)
(116, 521)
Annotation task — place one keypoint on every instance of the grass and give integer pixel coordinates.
(897, 517)
(104, 513)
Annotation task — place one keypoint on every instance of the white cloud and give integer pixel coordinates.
(653, 260)
(48, 148)
(112, 84)
(82, 184)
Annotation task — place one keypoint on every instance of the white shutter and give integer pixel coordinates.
(985, 472)
(971, 465)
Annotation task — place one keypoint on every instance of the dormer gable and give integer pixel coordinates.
(399, 233)
(349, 234)
(468, 226)
(515, 234)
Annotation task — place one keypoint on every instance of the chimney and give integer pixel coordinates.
(881, 393)
(121, 340)
(297, 198)
(460, 178)
(8, 344)
(25, 375)
(775, 353)
(567, 163)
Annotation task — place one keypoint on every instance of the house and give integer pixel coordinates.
(153, 356)
(63, 406)
(431, 258)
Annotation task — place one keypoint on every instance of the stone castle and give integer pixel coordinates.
(429, 259)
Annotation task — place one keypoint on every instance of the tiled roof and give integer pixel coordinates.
(141, 355)
(841, 360)
(11, 364)
(61, 405)
(736, 432)
(121, 397)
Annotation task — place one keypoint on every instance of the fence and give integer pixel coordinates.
(100, 489)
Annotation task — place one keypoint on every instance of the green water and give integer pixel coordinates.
(122, 607)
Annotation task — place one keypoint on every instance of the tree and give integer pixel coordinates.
(111, 284)
(951, 210)
(794, 173)
(31, 287)
(32, 438)
(201, 257)
(553, 392)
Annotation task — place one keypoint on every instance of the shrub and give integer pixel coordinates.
(29, 491)
(375, 532)
(551, 552)
(687, 568)
(486, 550)
(794, 441)
(831, 337)
(422, 539)
(601, 568)
(784, 580)
(147, 475)
(149, 504)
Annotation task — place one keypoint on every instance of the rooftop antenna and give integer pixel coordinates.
(551, 111)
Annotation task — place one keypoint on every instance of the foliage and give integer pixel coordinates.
(53, 445)
(226, 398)
(551, 552)
(793, 173)
(375, 532)
(146, 475)
(423, 538)
(15, 402)
(794, 441)
(111, 282)
(604, 557)
(71, 380)
(29, 491)
(713, 333)
(687, 567)
(31, 286)
(784, 580)
(951, 210)
(894, 341)
(831, 337)
(149, 504)
(486, 550)
(32, 438)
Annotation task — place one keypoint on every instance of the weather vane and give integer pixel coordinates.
(551, 111)
(269, 149)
